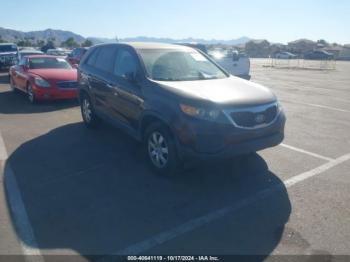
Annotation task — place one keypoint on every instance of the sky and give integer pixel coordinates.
(275, 20)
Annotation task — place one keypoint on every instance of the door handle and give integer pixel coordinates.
(115, 89)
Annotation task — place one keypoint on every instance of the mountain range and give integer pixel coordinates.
(59, 36)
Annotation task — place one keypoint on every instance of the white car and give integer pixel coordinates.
(58, 52)
(237, 64)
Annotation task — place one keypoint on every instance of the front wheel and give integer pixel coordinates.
(161, 149)
(31, 94)
(87, 111)
(12, 85)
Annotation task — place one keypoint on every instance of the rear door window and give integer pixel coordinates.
(92, 57)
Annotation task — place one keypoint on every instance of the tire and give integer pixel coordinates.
(90, 119)
(12, 85)
(31, 94)
(161, 149)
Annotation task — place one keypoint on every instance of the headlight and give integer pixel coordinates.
(41, 82)
(209, 114)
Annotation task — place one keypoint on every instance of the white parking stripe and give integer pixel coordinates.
(317, 105)
(306, 152)
(191, 225)
(3, 152)
(26, 236)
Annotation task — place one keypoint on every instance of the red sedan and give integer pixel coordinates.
(44, 77)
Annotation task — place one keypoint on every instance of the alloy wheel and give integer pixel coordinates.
(87, 110)
(158, 149)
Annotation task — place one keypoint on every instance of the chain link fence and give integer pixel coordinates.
(301, 64)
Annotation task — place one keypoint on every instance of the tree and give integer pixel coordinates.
(40, 43)
(49, 45)
(322, 42)
(2, 40)
(70, 43)
(87, 43)
(25, 42)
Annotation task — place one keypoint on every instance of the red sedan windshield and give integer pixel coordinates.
(48, 62)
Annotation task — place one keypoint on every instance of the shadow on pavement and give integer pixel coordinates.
(16, 103)
(4, 78)
(91, 191)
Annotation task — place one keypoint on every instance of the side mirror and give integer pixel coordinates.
(24, 67)
(130, 77)
(75, 66)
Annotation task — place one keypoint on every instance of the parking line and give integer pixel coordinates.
(3, 153)
(317, 105)
(306, 152)
(193, 224)
(20, 218)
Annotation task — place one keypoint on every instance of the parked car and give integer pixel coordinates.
(28, 52)
(44, 77)
(318, 55)
(285, 55)
(8, 55)
(58, 52)
(75, 56)
(236, 63)
(178, 102)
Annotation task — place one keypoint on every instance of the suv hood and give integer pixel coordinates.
(227, 91)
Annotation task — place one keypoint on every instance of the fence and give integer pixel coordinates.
(301, 64)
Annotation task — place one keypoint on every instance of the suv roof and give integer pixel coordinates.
(148, 45)
(8, 44)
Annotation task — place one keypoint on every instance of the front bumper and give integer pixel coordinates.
(7, 64)
(224, 140)
(54, 93)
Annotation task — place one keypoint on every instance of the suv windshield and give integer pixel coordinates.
(48, 62)
(8, 48)
(179, 65)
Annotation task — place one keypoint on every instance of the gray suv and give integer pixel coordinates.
(8, 55)
(178, 102)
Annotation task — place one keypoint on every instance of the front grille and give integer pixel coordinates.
(8, 60)
(67, 84)
(253, 118)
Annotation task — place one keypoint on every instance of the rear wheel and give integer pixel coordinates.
(87, 111)
(161, 149)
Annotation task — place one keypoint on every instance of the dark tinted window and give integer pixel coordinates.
(125, 63)
(106, 58)
(8, 48)
(92, 57)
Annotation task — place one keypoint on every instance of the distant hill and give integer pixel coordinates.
(238, 41)
(59, 36)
